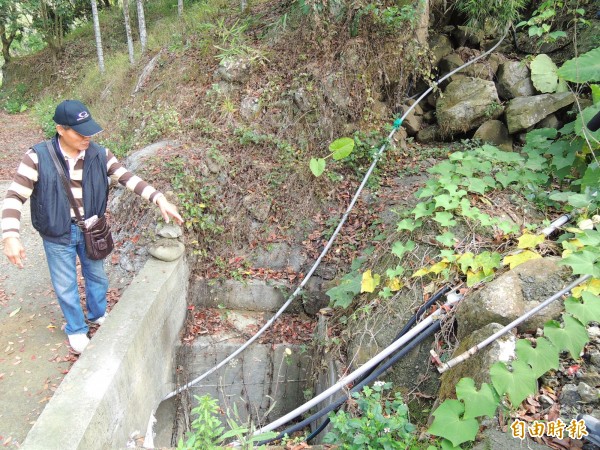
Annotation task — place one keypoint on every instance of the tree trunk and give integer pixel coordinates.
(128, 31)
(179, 8)
(98, 36)
(142, 24)
(6, 42)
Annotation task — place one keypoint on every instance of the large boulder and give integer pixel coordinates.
(524, 112)
(478, 366)
(514, 80)
(466, 104)
(494, 132)
(440, 46)
(513, 294)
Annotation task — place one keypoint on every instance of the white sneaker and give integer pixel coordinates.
(78, 342)
(99, 320)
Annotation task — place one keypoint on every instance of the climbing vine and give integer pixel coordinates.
(549, 156)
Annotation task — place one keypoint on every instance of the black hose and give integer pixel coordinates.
(402, 332)
(434, 327)
(594, 123)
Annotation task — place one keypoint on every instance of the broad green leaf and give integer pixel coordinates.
(369, 282)
(317, 166)
(423, 210)
(442, 168)
(583, 118)
(530, 240)
(508, 177)
(590, 237)
(477, 403)
(572, 336)
(447, 239)
(521, 257)
(449, 425)
(466, 261)
(542, 358)
(544, 74)
(399, 248)
(446, 201)
(488, 261)
(518, 383)
(584, 262)
(474, 277)
(341, 148)
(591, 177)
(391, 273)
(476, 185)
(343, 294)
(445, 219)
(583, 69)
(588, 311)
(595, 93)
(408, 224)
(446, 445)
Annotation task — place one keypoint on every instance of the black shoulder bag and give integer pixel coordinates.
(98, 237)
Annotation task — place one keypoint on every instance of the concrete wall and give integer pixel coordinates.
(126, 370)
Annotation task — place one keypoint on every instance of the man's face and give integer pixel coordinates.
(72, 140)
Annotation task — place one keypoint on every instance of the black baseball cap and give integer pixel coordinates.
(75, 114)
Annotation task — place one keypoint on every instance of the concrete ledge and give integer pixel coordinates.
(126, 370)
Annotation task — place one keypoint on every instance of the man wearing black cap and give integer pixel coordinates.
(87, 166)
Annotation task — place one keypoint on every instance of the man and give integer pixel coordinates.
(87, 166)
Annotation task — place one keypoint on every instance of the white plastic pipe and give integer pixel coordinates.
(466, 355)
(436, 315)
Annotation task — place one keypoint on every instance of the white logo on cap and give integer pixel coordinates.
(82, 115)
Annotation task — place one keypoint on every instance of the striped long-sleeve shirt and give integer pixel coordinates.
(24, 180)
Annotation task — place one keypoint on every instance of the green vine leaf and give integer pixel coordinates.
(544, 75)
(317, 166)
(446, 445)
(518, 383)
(466, 261)
(541, 358)
(584, 262)
(474, 277)
(447, 239)
(423, 210)
(449, 425)
(488, 261)
(572, 336)
(446, 201)
(476, 185)
(530, 240)
(343, 294)
(477, 403)
(399, 248)
(582, 69)
(586, 312)
(341, 148)
(445, 219)
(508, 177)
(409, 225)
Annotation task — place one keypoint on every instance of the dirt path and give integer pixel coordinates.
(34, 354)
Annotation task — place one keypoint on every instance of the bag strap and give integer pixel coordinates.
(65, 183)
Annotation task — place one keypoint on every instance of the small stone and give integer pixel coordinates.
(587, 393)
(595, 358)
(569, 397)
(170, 230)
(591, 378)
(545, 401)
(594, 333)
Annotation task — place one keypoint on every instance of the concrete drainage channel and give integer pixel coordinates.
(111, 391)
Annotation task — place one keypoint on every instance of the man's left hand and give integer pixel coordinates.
(168, 210)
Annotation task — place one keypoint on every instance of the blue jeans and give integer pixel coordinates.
(63, 272)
